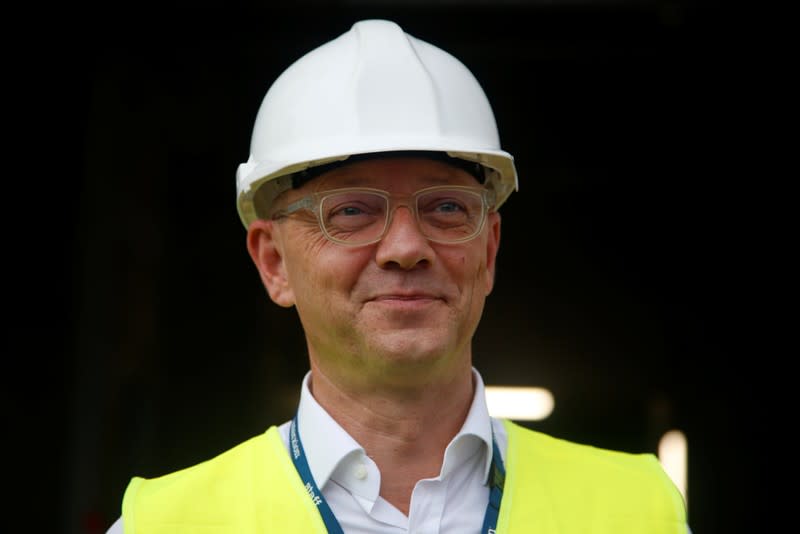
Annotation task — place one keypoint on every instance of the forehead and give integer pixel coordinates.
(403, 174)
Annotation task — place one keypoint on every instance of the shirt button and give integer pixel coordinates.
(360, 471)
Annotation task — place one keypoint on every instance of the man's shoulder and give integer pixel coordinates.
(237, 467)
(585, 485)
(238, 457)
(558, 450)
(228, 491)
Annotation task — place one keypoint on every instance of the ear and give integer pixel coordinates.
(266, 251)
(492, 246)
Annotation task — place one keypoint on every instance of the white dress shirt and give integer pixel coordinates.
(453, 502)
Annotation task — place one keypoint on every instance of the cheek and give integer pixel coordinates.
(302, 247)
(467, 268)
(475, 269)
(316, 265)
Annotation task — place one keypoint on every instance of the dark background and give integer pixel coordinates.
(147, 343)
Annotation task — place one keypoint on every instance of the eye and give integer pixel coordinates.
(349, 205)
(448, 203)
(352, 210)
(348, 210)
(448, 206)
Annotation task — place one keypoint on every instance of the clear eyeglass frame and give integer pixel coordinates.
(315, 201)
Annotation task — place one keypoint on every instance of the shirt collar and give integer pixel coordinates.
(475, 435)
(327, 444)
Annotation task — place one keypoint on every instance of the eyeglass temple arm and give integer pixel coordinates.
(303, 203)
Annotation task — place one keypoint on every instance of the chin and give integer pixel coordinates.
(410, 346)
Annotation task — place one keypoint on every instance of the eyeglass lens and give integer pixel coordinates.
(447, 215)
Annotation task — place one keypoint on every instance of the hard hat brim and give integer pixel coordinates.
(259, 184)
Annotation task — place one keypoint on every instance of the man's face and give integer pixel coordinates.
(399, 310)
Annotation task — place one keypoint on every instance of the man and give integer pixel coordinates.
(371, 200)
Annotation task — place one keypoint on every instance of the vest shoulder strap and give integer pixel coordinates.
(554, 485)
(252, 487)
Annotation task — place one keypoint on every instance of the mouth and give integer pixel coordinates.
(405, 296)
(405, 300)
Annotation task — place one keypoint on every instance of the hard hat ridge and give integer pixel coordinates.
(387, 59)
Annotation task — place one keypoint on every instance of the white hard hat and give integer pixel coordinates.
(373, 89)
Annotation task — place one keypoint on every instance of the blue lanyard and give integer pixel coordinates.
(301, 464)
(495, 490)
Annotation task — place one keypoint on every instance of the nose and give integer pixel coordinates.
(403, 245)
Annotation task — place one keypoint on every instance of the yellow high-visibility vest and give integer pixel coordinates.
(552, 486)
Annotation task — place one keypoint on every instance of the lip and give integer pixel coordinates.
(405, 301)
(404, 304)
(405, 296)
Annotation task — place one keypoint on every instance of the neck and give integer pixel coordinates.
(404, 432)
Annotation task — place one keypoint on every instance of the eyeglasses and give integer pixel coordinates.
(360, 216)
